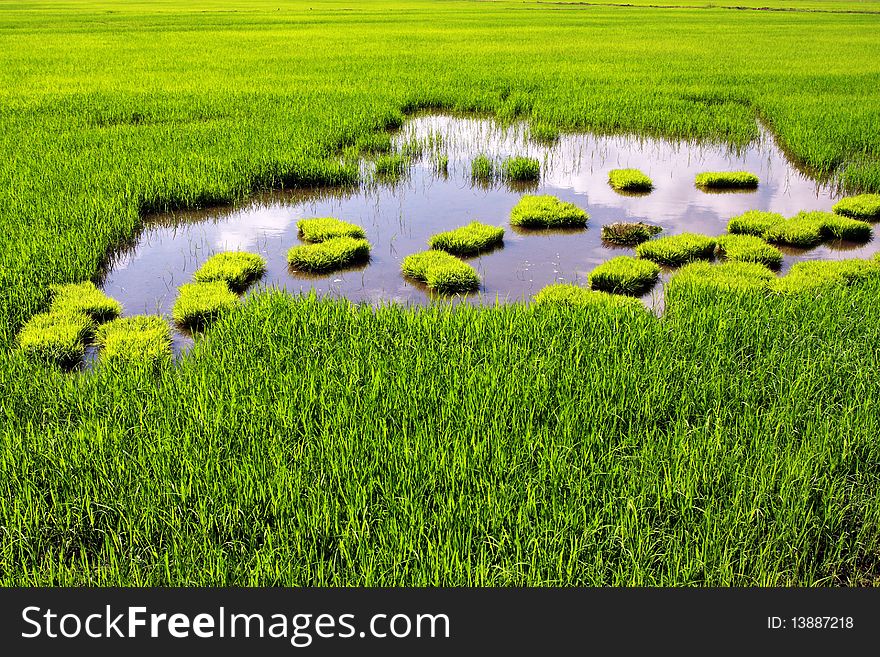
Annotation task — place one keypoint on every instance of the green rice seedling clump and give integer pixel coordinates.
(863, 206)
(629, 233)
(543, 133)
(677, 249)
(57, 336)
(748, 248)
(441, 164)
(373, 142)
(521, 169)
(814, 275)
(328, 255)
(732, 276)
(85, 298)
(392, 166)
(321, 229)
(544, 211)
(630, 180)
(625, 275)
(470, 239)
(567, 295)
(754, 222)
(726, 180)
(441, 271)
(482, 168)
(835, 226)
(236, 268)
(802, 231)
(198, 304)
(140, 339)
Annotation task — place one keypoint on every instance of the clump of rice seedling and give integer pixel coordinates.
(703, 277)
(473, 238)
(546, 211)
(629, 180)
(139, 339)
(412, 148)
(835, 226)
(392, 166)
(441, 164)
(373, 142)
(802, 231)
(726, 180)
(754, 222)
(677, 249)
(521, 169)
(85, 298)
(237, 268)
(200, 303)
(813, 275)
(57, 336)
(543, 132)
(624, 275)
(863, 206)
(441, 271)
(329, 255)
(629, 233)
(566, 295)
(482, 168)
(748, 248)
(321, 229)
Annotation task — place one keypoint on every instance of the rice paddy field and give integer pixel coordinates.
(336, 403)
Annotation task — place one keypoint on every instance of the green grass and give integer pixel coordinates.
(142, 339)
(441, 164)
(441, 271)
(748, 248)
(329, 255)
(372, 143)
(812, 276)
(392, 167)
(547, 212)
(863, 206)
(629, 180)
(543, 133)
(624, 275)
(237, 269)
(701, 280)
(84, 298)
(675, 250)
(803, 231)
(627, 233)
(573, 297)
(199, 304)
(835, 226)
(521, 169)
(726, 180)
(468, 240)
(754, 222)
(482, 168)
(56, 337)
(321, 229)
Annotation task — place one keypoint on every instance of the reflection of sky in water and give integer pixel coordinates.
(400, 218)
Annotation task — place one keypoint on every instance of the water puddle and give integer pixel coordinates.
(400, 216)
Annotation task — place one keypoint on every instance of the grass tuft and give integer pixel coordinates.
(329, 255)
(547, 212)
(198, 304)
(625, 275)
(754, 222)
(629, 233)
(863, 206)
(677, 249)
(373, 143)
(57, 336)
(140, 339)
(470, 239)
(521, 169)
(630, 180)
(321, 229)
(702, 278)
(543, 133)
(482, 168)
(748, 248)
(726, 180)
(566, 295)
(835, 226)
(811, 276)
(441, 164)
(237, 269)
(392, 166)
(85, 298)
(441, 271)
(801, 231)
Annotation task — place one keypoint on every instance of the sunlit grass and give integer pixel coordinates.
(748, 248)
(57, 337)
(629, 180)
(441, 271)
(624, 275)
(863, 206)
(321, 229)
(237, 269)
(198, 304)
(675, 250)
(726, 180)
(142, 339)
(468, 240)
(547, 212)
(84, 298)
(329, 255)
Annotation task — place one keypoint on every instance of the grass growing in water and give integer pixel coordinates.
(628, 233)
(624, 275)
(629, 180)
(329, 255)
(566, 295)
(545, 211)
(441, 271)
(139, 339)
(863, 206)
(726, 180)
(198, 304)
(521, 169)
(754, 222)
(392, 166)
(482, 168)
(372, 143)
(237, 269)
(702, 279)
(441, 164)
(320, 229)
(467, 240)
(801, 231)
(748, 248)
(56, 337)
(543, 133)
(811, 276)
(85, 298)
(677, 250)
(835, 226)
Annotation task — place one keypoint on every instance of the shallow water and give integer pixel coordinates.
(399, 217)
